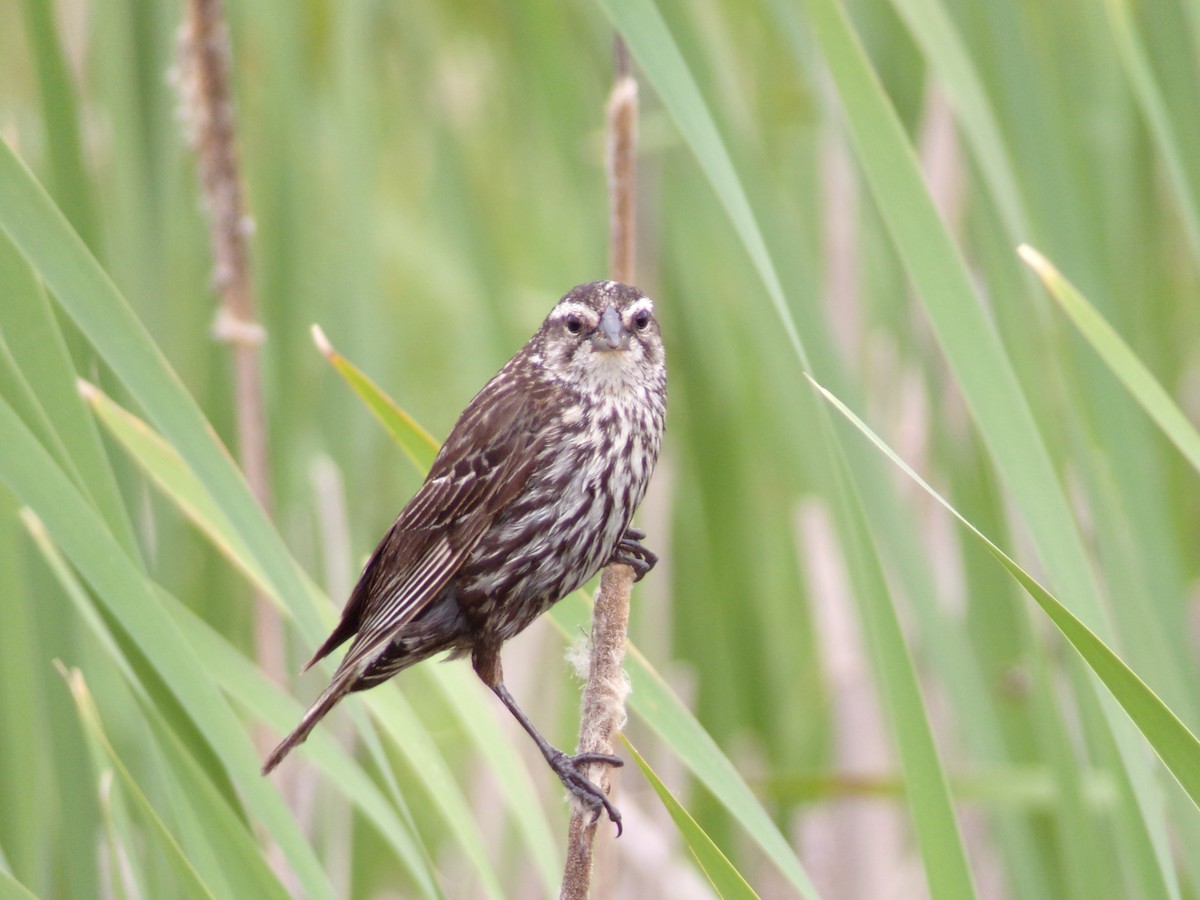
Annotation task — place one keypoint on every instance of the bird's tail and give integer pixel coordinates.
(337, 689)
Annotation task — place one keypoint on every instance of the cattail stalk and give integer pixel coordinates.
(208, 115)
(603, 713)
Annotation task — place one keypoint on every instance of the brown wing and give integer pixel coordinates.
(484, 464)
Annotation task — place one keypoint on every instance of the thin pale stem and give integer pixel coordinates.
(604, 695)
(208, 112)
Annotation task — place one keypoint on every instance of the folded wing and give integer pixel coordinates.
(483, 465)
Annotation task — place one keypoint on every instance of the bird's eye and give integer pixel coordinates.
(574, 325)
(641, 321)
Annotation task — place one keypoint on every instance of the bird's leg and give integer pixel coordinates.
(631, 553)
(570, 769)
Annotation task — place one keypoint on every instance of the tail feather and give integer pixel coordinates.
(344, 631)
(328, 699)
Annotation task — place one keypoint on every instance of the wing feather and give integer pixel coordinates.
(484, 463)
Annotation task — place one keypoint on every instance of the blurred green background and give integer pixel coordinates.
(837, 189)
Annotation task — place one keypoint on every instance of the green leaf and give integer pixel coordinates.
(25, 778)
(166, 467)
(940, 41)
(75, 527)
(84, 290)
(1134, 58)
(725, 879)
(213, 833)
(946, 867)
(981, 368)
(650, 41)
(187, 876)
(39, 350)
(11, 889)
(1175, 745)
(415, 441)
(1119, 358)
(245, 682)
(60, 116)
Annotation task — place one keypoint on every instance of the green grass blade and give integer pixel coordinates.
(76, 528)
(1175, 745)
(979, 363)
(726, 880)
(39, 350)
(940, 275)
(60, 116)
(245, 682)
(11, 889)
(653, 46)
(1141, 79)
(228, 852)
(216, 838)
(932, 27)
(419, 445)
(25, 780)
(77, 594)
(459, 691)
(84, 290)
(166, 467)
(1119, 358)
(39, 231)
(942, 850)
(185, 873)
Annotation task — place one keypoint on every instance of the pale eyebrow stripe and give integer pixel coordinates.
(578, 309)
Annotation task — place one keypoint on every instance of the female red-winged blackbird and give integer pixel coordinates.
(530, 495)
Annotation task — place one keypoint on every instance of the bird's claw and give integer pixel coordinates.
(631, 553)
(570, 770)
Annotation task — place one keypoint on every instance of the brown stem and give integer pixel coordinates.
(208, 114)
(620, 158)
(604, 695)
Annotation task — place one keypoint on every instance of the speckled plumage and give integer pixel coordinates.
(531, 494)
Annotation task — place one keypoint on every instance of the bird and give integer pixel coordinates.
(532, 493)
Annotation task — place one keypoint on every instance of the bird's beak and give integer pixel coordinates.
(611, 334)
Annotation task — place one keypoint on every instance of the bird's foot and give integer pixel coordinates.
(570, 769)
(631, 553)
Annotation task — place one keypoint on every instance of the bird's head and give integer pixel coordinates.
(603, 334)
